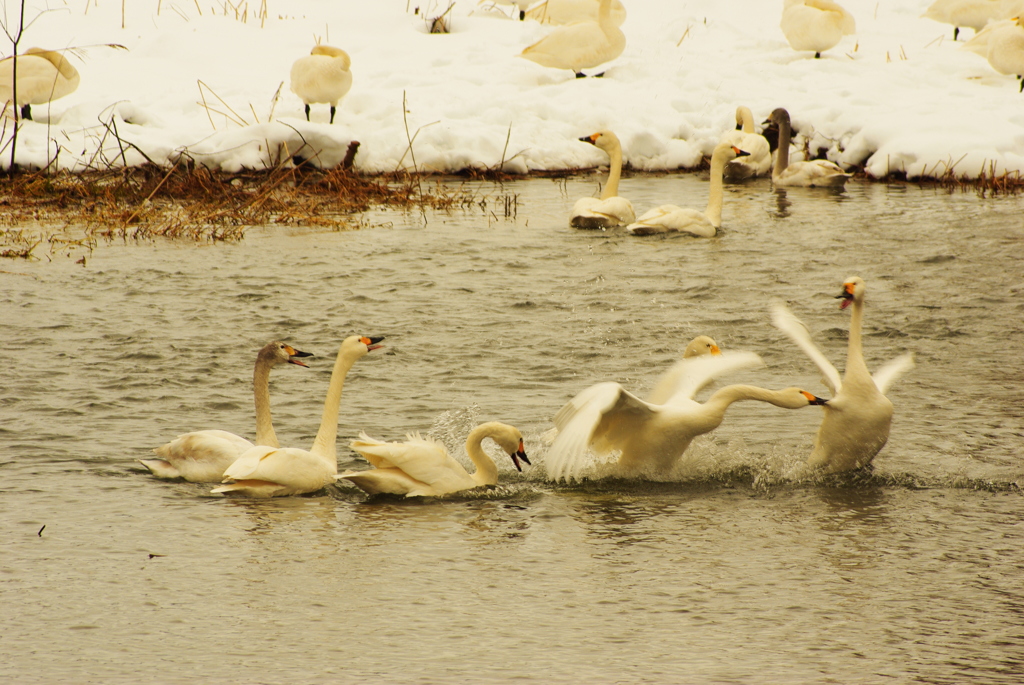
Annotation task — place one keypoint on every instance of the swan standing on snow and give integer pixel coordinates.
(1002, 44)
(265, 471)
(43, 76)
(759, 154)
(815, 25)
(859, 415)
(322, 76)
(673, 219)
(973, 14)
(422, 467)
(561, 12)
(610, 210)
(650, 438)
(581, 45)
(202, 456)
(812, 173)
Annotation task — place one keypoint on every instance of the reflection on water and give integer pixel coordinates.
(740, 568)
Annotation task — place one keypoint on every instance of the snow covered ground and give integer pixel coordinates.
(899, 95)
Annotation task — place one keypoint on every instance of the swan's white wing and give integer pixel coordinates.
(392, 481)
(892, 370)
(785, 321)
(423, 459)
(686, 377)
(248, 463)
(604, 408)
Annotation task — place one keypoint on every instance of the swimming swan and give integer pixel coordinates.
(812, 173)
(759, 158)
(422, 467)
(859, 415)
(1002, 44)
(581, 45)
(322, 76)
(265, 471)
(672, 219)
(606, 419)
(202, 456)
(610, 210)
(815, 25)
(561, 12)
(43, 76)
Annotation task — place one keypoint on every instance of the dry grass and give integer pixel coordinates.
(196, 203)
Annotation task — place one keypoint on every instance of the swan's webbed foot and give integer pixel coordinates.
(333, 108)
(817, 55)
(26, 112)
(580, 74)
(307, 112)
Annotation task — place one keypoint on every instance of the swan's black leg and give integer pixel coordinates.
(599, 75)
(26, 112)
(522, 15)
(817, 55)
(956, 32)
(580, 74)
(332, 113)
(307, 112)
(1021, 84)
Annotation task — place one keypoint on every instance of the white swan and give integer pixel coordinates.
(759, 154)
(973, 14)
(859, 415)
(673, 219)
(1002, 44)
(265, 471)
(561, 12)
(812, 173)
(607, 419)
(202, 456)
(43, 76)
(815, 25)
(322, 76)
(422, 467)
(581, 45)
(610, 210)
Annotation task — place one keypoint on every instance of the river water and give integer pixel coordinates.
(738, 569)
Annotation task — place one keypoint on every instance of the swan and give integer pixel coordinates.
(973, 14)
(43, 76)
(562, 12)
(812, 173)
(521, 4)
(859, 415)
(759, 159)
(815, 25)
(422, 467)
(610, 210)
(665, 387)
(265, 471)
(202, 456)
(672, 219)
(651, 437)
(322, 76)
(580, 45)
(1002, 44)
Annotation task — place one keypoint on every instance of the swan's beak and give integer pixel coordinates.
(847, 296)
(589, 139)
(739, 152)
(811, 399)
(371, 342)
(520, 454)
(294, 353)
(715, 349)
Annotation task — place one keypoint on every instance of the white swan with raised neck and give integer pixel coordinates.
(609, 210)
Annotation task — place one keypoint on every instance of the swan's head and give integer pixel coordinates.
(278, 352)
(359, 345)
(853, 291)
(727, 152)
(509, 439)
(778, 116)
(606, 140)
(702, 344)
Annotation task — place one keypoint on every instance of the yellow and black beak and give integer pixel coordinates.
(592, 139)
(846, 296)
(372, 341)
(520, 454)
(811, 399)
(739, 152)
(294, 355)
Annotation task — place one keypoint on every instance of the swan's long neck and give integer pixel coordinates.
(486, 471)
(611, 188)
(261, 391)
(323, 445)
(747, 120)
(604, 14)
(716, 191)
(782, 153)
(855, 352)
(721, 400)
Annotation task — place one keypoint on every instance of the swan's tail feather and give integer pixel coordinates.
(160, 468)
